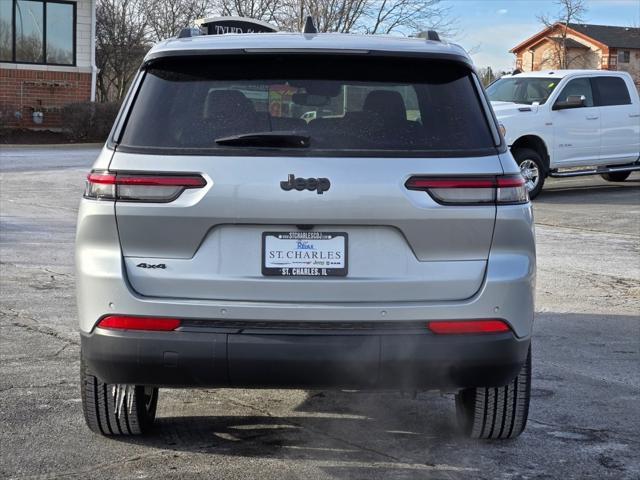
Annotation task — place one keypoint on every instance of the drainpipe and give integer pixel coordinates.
(94, 69)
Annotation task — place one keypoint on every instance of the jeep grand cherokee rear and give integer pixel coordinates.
(224, 241)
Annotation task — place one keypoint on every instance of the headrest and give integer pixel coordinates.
(230, 104)
(386, 103)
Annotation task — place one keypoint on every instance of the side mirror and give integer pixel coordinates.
(572, 101)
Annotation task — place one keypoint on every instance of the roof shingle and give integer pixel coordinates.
(616, 37)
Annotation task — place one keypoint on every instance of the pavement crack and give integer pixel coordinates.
(62, 349)
(86, 472)
(47, 385)
(37, 328)
(45, 331)
(59, 274)
(591, 431)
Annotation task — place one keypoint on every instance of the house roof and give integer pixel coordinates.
(610, 36)
(616, 37)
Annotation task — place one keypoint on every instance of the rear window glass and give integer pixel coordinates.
(612, 91)
(342, 104)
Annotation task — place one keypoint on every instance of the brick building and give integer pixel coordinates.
(47, 59)
(587, 46)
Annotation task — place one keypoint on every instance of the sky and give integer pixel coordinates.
(490, 28)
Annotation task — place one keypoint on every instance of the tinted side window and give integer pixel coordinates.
(579, 86)
(612, 91)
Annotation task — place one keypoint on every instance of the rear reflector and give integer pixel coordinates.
(139, 188)
(453, 327)
(121, 322)
(472, 191)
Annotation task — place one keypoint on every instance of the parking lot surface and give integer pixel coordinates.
(585, 414)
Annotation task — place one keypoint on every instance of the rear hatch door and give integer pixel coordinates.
(366, 139)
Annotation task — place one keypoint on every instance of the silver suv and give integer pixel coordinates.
(388, 243)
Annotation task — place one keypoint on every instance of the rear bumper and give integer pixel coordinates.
(253, 358)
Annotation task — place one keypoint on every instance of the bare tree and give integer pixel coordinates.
(125, 29)
(407, 16)
(334, 16)
(569, 11)
(5, 39)
(344, 16)
(266, 10)
(488, 76)
(165, 18)
(120, 45)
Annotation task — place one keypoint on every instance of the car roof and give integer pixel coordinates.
(299, 42)
(561, 73)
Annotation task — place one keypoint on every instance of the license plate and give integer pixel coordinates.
(304, 254)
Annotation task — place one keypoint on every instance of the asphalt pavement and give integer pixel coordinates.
(585, 412)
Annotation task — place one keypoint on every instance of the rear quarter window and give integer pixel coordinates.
(612, 91)
(345, 105)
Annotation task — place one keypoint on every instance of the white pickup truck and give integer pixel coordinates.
(569, 122)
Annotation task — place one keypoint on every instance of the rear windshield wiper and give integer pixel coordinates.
(266, 139)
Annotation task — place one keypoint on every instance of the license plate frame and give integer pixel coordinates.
(306, 268)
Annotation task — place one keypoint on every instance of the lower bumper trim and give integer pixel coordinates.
(299, 360)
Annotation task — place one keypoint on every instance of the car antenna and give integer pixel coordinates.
(309, 26)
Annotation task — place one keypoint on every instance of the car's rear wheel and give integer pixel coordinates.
(532, 169)
(616, 176)
(113, 409)
(496, 413)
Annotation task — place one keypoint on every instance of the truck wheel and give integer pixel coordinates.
(616, 176)
(496, 413)
(531, 168)
(111, 409)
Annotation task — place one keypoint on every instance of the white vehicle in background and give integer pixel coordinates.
(566, 123)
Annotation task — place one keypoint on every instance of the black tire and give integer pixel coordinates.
(135, 414)
(496, 413)
(616, 176)
(527, 156)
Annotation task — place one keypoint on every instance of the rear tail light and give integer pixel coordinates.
(139, 188)
(456, 327)
(124, 322)
(472, 191)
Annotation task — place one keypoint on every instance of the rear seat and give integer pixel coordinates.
(382, 123)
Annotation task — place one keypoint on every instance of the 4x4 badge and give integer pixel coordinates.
(321, 185)
(151, 265)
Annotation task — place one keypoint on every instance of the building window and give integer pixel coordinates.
(624, 56)
(609, 62)
(38, 31)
